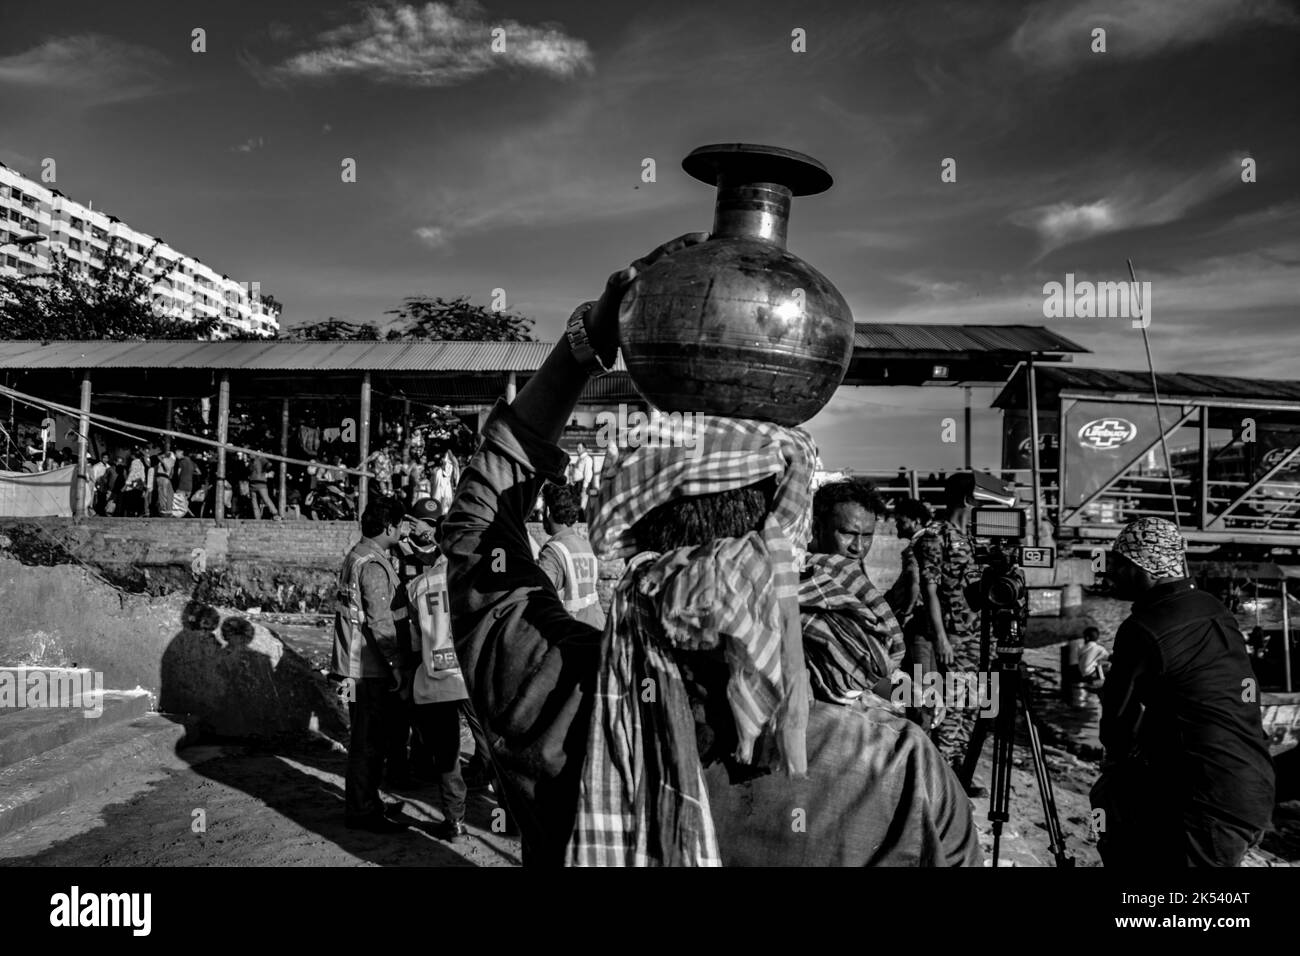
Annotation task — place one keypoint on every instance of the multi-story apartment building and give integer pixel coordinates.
(183, 287)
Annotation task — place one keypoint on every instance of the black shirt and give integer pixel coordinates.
(1181, 698)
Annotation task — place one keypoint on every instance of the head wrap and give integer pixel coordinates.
(643, 800)
(1154, 545)
(851, 638)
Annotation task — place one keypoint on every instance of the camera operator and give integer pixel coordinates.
(945, 558)
(1187, 779)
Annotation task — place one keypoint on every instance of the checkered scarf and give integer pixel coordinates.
(643, 801)
(851, 638)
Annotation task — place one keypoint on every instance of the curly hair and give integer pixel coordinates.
(562, 502)
(858, 491)
(381, 512)
(700, 519)
(914, 509)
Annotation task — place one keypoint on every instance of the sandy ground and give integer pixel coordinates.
(259, 808)
(262, 808)
(284, 807)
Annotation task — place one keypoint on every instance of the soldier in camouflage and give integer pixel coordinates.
(945, 556)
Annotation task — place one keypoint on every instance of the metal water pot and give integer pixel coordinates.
(737, 325)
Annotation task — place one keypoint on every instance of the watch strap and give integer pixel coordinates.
(583, 351)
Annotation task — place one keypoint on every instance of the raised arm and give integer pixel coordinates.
(524, 656)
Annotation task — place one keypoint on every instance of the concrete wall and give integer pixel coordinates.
(65, 616)
(231, 673)
(274, 566)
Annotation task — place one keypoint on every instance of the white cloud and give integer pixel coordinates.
(89, 67)
(250, 144)
(434, 237)
(1150, 198)
(439, 44)
(1057, 36)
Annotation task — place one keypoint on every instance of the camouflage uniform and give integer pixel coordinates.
(946, 556)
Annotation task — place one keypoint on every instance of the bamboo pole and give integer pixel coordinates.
(363, 452)
(83, 431)
(283, 496)
(223, 425)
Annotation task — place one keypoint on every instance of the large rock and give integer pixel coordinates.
(237, 679)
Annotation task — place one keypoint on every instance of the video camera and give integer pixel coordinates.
(1000, 595)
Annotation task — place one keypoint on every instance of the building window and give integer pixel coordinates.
(79, 224)
(74, 245)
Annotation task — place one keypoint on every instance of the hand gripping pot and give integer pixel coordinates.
(737, 325)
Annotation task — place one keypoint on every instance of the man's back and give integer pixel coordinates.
(1181, 689)
(185, 474)
(877, 794)
(571, 566)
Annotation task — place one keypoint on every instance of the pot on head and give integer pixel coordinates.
(737, 325)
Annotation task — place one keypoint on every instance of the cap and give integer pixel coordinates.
(1154, 545)
(425, 509)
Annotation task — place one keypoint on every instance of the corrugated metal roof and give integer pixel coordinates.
(282, 356)
(889, 336)
(1054, 379)
(463, 356)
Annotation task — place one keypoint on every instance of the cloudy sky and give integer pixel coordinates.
(521, 170)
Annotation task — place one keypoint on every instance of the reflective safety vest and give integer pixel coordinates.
(579, 591)
(352, 657)
(439, 678)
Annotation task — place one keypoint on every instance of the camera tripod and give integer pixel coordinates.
(1014, 697)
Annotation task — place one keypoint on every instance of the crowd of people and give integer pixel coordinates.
(171, 480)
(734, 705)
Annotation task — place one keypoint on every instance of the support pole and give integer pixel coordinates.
(969, 466)
(1204, 496)
(283, 497)
(170, 424)
(1286, 635)
(13, 432)
(83, 433)
(223, 428)
(511, 386)
(1035, 477)
(363, 484)
(914, 484)
(406, 428)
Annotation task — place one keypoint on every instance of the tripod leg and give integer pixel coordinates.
(974, 748)
(1042, 774)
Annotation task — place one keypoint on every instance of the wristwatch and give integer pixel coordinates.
(576, 333)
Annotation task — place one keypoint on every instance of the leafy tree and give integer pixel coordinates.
(334, 330)
(112, 301)
(458, 319)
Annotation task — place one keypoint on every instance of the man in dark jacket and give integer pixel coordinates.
(1187, 778)
(875, 791)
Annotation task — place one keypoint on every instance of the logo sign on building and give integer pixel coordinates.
(1045, 442)
(1037, 557)
(1106, 434)
(1275, 456)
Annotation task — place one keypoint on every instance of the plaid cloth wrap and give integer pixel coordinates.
(852, 640)
(643, 801)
